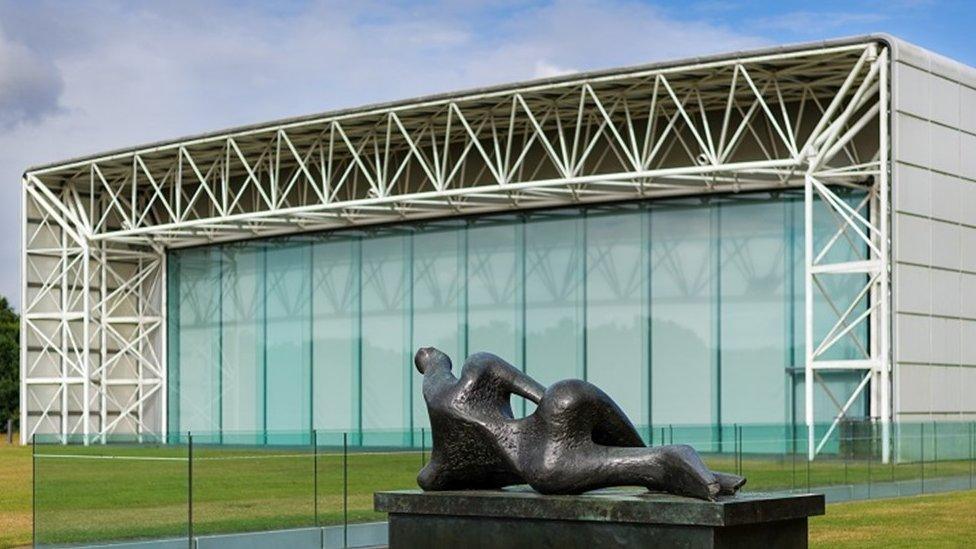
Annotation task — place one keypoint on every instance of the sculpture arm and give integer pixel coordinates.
(525, 387)
(511, 378)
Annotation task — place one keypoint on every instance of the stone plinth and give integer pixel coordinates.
(610, 518)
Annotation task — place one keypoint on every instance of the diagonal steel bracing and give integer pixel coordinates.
(96, 229)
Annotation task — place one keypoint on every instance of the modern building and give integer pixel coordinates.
(782, 236)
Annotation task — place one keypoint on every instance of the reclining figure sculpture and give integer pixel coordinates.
(576, 440)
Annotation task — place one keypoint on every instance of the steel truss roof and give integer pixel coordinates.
(96, 229)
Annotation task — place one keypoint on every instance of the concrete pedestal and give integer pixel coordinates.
(610, 518)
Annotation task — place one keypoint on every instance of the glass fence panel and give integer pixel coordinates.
(372, 468)
(241, 487)
(207, 483)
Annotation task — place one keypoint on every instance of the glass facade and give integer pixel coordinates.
(686, 311)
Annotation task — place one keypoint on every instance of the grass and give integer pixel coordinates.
(15, 494)
(943, 520)
(129, 491)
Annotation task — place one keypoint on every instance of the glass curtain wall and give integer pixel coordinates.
(687, 312)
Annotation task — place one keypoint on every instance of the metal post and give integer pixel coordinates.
(315, 476)
(345, 489)
(34, 489)
(793, 456)
(870, 459)
(884, 324)
(972, 447)
(189, 489)
(808, 312)
(922, 457)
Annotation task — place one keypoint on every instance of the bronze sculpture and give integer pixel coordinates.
(576, 440)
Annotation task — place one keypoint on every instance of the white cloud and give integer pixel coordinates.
(545, 69)
(99, 76)
(29, 85)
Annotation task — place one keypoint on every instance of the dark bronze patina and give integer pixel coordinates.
(576, 440)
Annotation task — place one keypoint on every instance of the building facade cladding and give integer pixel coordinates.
(934, 237)
(685, 311)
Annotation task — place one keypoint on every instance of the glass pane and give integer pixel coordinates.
(197, 384)
(616, 303)
(387, 361)
(683, 327)
(242, 339)
(553, 287)
(754, 332)
(335, 333)
(438, 303)
(288, 327)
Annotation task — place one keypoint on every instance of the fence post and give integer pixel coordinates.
(345, 489)
(870, 459)
(189, 489)
(846, 451)
(315, 475)
(922, 450)
(808, 460)
(33, 489)
(972, 447)
(735, 447)
(10, 430)
(793, 456)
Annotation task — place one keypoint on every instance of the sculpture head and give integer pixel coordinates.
(428, 358)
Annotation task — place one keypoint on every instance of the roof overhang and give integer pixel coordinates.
(732, 122)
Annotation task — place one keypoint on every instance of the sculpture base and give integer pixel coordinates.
(608, 518)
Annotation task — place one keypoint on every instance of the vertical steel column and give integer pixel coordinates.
(24, 423)
(808, 311)
(103, 341)
(164, 346)
(63, 333)
(86, 336)
(884, 314)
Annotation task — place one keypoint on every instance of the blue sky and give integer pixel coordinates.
(82, 77)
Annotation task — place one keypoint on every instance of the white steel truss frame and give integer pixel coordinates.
(96, 230)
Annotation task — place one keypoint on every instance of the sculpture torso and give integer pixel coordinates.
(474, 415)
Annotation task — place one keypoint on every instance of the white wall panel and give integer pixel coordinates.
(967, 295)
(945, 292)
(911, 140)
(946, 252)
(945, 340)
(944, 148)
(944, 101)
(914, 337)
(908, 298)
(914, 190)
(913, 240)
(946, 197)
(967, 383)
(967, 331)
(914, 388)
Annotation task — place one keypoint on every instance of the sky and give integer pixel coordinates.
(82, 77)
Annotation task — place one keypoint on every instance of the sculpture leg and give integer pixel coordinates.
(676, 469)
(574, 406)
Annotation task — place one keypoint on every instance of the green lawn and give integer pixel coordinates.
(942, 520)
(118, 492)
(15, 495)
